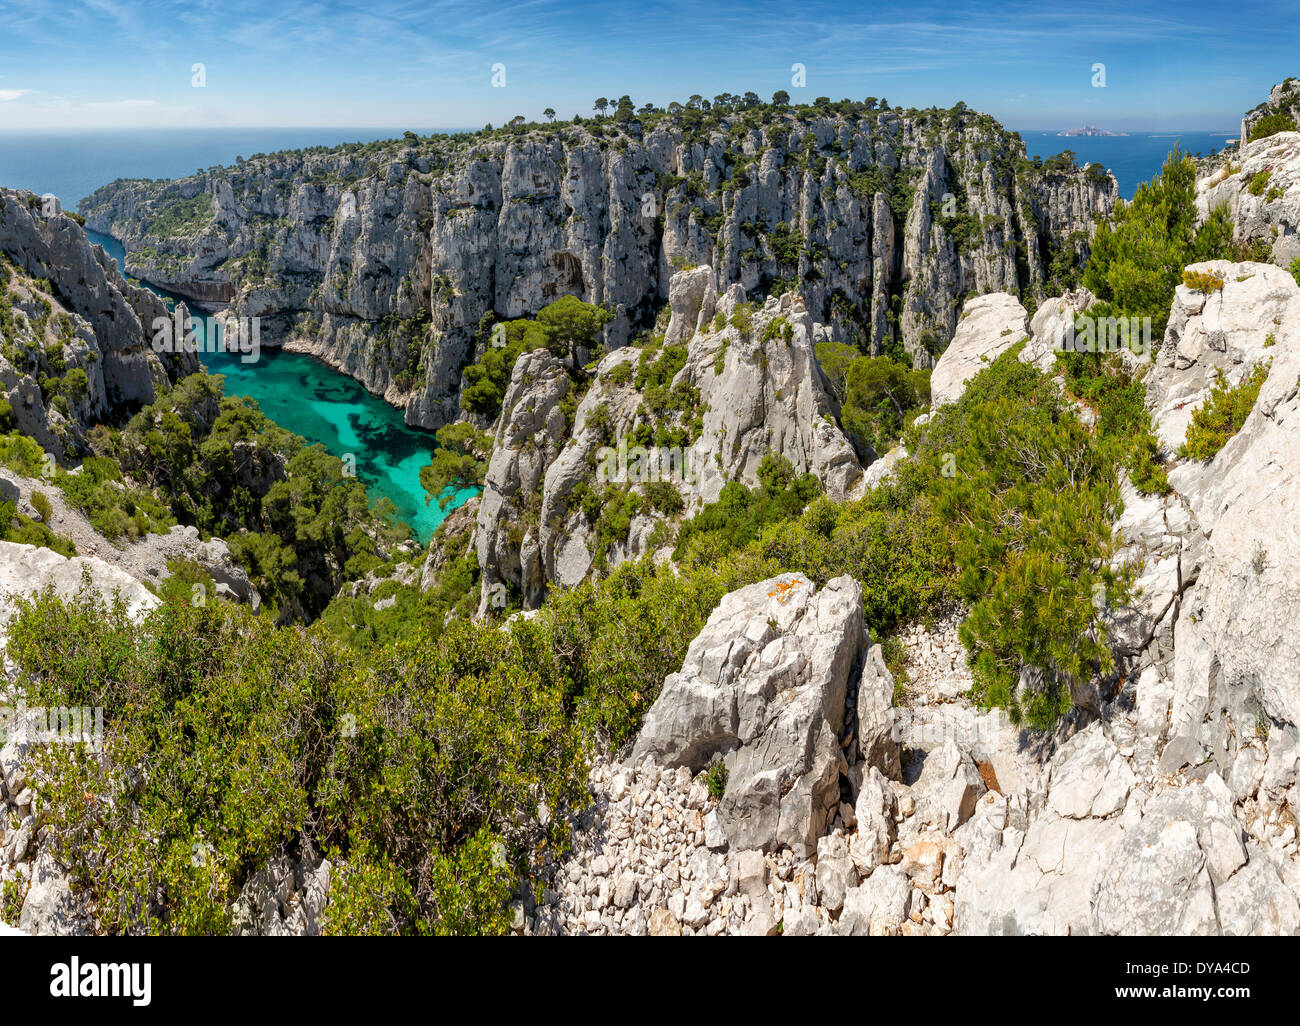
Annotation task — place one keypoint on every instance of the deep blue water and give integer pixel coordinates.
(1132, 159)
(73, 165)
(298, 392)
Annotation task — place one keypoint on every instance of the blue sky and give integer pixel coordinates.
(404, 63)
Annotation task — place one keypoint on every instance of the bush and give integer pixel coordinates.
(740, 513)
(881, 398)
(421, 769)
(1271, 124)
(715, 779)
(1222, 414)
(41, 503)
(1204, 281)
(1137, 259)
(1027, 497)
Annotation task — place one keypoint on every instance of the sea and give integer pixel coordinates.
(1132, 159)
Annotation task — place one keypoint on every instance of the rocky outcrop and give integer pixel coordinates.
(1052, 328)
(70, 295)
(984, 830)
(383, 260)
(1227, 330)
(26, 571)
(989, 325)
(746, 385)
(283, 899)
(763, 688)
(147, 560)
(658, 853)
(531, 432)
(1096, 850)
(1283, 98)
(1260, 187)
(1220, 535)
(1167, 811)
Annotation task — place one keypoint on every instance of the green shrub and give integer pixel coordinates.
(1258, 182)
(1137, 259)
(1222, 414)
(1271, 124)
(41, 503)
(740, 513)
(715, 779)
(1028, 497)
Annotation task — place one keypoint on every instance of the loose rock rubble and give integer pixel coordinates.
(658, 854)
(935, 660)
(650, 858)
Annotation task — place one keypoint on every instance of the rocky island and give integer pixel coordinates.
(1091, 131)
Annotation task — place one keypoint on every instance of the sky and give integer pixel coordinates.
(1126, 66)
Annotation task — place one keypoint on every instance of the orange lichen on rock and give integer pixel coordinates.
(782, 591)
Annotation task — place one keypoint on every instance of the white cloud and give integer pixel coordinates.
(12, 94)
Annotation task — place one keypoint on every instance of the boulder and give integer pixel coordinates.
(1051, 325)
(1226, 330)
(989, 326)
(26, 571)
(49, 909)
(949, 786)
(878, 906)
(691, 297)
(764, 685)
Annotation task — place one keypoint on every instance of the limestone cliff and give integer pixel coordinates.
(671, 425)
(382, 259)
(75, 337)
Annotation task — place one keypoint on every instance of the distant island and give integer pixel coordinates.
(1089, 130)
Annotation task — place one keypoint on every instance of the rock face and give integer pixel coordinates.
(1260, 186)
(1104, 854)
(345, 252)
(1051, 325)
(1227, 330)
(25, 571)
(1282, 99)
(100, 326)
(530, 434)
(763, 687)
(988, 327)
(749, 387)
(1217, 549)
(283, 899)
(1166, 811)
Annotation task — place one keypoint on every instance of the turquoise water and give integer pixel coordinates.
(305, 396)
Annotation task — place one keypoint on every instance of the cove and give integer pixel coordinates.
(311, 399)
